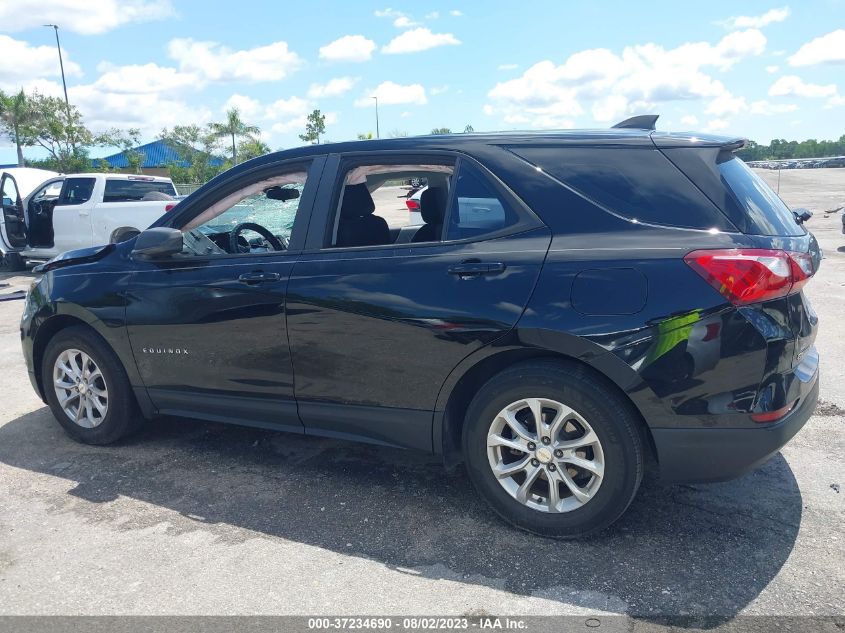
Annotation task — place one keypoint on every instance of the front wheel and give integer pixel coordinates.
(553, 449)
(87, 388)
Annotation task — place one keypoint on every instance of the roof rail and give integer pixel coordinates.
(641, 122)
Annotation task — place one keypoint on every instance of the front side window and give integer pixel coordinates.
(256, 219)
(77, 191)
(10, 193)
(380, 204)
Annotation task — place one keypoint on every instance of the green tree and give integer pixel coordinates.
(397, 133)
(233, 126)
(252, 148)
(365, 137)
(468, 129)
(315, 127)
(59, 129)
(195, 147)
(441, 130)
(15, 113)
(127, 141)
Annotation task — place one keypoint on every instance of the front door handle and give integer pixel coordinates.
(258, 277)
(469, 269)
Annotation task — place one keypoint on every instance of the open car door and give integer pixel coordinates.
(12, 223)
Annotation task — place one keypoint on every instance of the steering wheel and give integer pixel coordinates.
(235, 233)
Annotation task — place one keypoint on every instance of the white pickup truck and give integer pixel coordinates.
(64, 213)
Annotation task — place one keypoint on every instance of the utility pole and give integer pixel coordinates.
(377, 134)
(55, 27)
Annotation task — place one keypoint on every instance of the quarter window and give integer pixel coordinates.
(478, 208)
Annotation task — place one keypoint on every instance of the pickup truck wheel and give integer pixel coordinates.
(553, 450)
(87, 388)
(12, 263)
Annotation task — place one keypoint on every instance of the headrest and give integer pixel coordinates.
(357, 201)
(433, 205)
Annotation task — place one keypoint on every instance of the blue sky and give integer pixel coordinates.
(758, 69)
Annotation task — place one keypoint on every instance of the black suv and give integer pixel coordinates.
(573, 306)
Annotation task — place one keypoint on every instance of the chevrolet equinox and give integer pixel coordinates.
(573, 306)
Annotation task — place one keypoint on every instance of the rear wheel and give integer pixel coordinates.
(553, 449)
(87, 388)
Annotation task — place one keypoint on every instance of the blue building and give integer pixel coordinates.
(158, 155)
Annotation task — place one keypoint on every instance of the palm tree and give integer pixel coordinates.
(15, 112)
(233, 127)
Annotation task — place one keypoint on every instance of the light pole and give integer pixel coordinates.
(376, 98)
(55, 27)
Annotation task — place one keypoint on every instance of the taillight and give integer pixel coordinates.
(169, 207)
(413, 205)
(751, 275)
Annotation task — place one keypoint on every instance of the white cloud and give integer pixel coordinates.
(631, 82)
(772, 69)
(404, 22)
(456, 13)
(726, 103)
(248, 107)
(211, 61)
(716, 125)
(834, 101)
(142, 79)
(827, 49)
(690, 120)
(22, 62)
(349, 48)
(432, 16)
(282, 108)
(297, 124)
(507, 66)
(416, 40)
(756, 21)
(792, 85)
(390, 93)
(766, 108)
(86, 18)
(333, 88)
(438, 90)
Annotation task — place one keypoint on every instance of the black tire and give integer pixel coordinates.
(610, 417)
(122, 415)
(12, 263)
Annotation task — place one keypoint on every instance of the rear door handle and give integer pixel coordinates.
(258, 277)
(474, 269)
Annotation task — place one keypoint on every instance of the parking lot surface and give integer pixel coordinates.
(191, 517)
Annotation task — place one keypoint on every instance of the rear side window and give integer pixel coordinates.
(76, 191)
(477, 208)
(768, 213)
(636, 183)
(132, 190)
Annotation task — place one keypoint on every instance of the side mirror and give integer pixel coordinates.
(802, 215)
(280, 193)
(157, 243)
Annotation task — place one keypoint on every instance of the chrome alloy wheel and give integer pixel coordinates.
(80, 388)
(545, 455)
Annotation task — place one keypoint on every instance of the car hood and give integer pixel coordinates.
(79, 256)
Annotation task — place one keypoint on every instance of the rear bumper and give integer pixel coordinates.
(696, 455)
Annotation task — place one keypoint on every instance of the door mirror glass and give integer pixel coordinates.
(157, 243)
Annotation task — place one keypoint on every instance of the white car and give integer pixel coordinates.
(63, 213)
